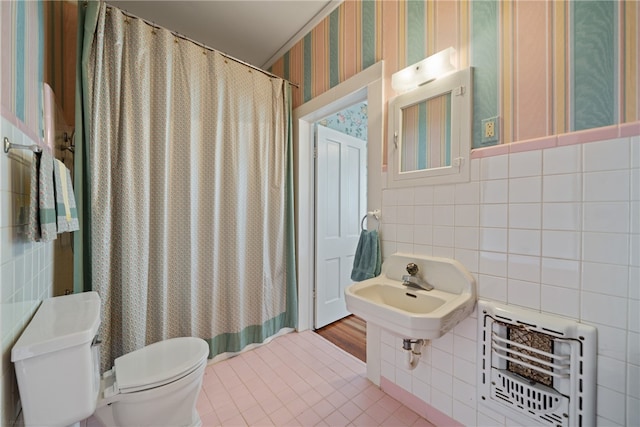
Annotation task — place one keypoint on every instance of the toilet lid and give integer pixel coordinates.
(159, 363)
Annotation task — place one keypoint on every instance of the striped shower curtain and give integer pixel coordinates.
(187, 210)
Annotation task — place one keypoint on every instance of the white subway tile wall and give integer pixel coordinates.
(555, 230)
(528, 163)
(26, 269)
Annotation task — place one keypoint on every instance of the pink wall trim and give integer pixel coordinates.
(630, 129)
(418, 406)
(590, 135)
(11, 118)
(533, 144)
(494, 150)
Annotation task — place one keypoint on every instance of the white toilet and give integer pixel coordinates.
(57, 362)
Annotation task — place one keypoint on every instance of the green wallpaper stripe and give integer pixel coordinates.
(19, 70)
(484, 59)
(334, 47)
(594, 60)
(416, 33)
(307, 67)
(447, 130)
(368, 33)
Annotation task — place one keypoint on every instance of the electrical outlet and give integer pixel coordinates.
(490, 130)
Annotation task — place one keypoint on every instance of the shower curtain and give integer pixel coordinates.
(186, 189)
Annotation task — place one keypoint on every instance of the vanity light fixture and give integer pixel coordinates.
(430, 68)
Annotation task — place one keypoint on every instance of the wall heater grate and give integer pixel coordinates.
(536, 367)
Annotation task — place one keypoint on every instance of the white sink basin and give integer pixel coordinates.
(400, 297)
(412, 313)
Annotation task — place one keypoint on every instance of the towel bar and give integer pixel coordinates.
(375, 214)
(8, 145)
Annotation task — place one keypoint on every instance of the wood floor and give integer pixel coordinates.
(350, 334)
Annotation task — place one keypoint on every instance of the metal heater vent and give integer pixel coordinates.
(536, 367)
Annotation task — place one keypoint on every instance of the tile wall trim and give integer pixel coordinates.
(581, 137)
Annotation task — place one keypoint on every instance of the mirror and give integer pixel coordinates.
(427, 134)
(431, 133)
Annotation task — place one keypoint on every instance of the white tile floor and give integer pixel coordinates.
(298, 379)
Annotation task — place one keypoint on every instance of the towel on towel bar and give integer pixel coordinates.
(368, 260)
(66, 212)
(42, 209)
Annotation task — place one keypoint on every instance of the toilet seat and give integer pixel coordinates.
(156, 365)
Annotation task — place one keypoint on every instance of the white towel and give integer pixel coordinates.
(66, 212)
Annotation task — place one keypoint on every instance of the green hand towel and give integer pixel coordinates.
(368, 260)
(42, 211)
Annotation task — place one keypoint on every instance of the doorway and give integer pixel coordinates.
(341, 200)
(364, 86)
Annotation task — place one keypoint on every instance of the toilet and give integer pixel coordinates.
(57, 362)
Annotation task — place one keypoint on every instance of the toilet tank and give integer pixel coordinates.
(57, 362)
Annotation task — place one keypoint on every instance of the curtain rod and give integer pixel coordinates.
(202, 45)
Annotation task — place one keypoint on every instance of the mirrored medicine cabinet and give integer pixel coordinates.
(430, 132)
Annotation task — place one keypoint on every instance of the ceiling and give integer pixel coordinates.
(255, 31)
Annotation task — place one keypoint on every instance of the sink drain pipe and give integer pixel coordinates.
(413, 353)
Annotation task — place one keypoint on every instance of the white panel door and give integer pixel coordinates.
(341, 190)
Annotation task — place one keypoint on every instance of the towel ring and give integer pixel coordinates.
(375, 214)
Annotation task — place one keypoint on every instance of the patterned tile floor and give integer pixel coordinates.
(298, 379)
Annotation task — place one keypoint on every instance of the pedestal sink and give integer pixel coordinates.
(415, 313)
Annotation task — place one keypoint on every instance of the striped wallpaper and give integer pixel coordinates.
(21, 65)
(545, 67)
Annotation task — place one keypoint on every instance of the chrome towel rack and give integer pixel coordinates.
(375, 214)
(8, 145)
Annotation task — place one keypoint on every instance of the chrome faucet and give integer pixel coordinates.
(411, 280)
